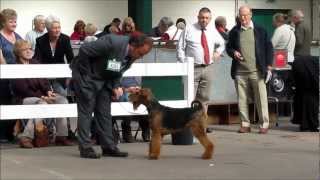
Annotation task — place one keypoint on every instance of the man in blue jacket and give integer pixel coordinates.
(252, 54)
(96, 73)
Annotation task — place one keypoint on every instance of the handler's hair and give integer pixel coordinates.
(138, 39)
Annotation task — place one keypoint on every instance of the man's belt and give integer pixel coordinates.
(201, 65)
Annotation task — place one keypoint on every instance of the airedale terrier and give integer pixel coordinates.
(165, 120)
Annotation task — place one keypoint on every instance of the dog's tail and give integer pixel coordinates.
(196, 105)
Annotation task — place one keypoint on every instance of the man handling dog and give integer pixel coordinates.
(96, 74)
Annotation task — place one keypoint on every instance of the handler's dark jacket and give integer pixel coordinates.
(263, 49)
(94, 56)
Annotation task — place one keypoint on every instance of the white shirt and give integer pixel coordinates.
(31, 36)
(173, 32)
(284, 38)
(189, 44)
(249, 27)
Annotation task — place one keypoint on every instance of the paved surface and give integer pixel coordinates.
(284, 153)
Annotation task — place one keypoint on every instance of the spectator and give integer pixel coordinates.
(128, 26)
(251, 63)
(283, 36)
(163, 25)
(199, 41)
(38, 30)
(36, 91)
(174, 31)
(130, 84)
(303, 34)
(8, 36)
(114, 30)
(115, 22)
(306, 99)
(78, 33)
(51, 48)
(90, 31)
(221, 25)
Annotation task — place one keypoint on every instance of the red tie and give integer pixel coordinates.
(205, 47)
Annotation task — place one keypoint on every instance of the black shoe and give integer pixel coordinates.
(114, 153)
(89, 153)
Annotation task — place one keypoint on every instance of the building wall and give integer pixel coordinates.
(99, 12)
(188, 9)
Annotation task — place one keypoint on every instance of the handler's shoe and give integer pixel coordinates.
(89, 153)
(114, 153)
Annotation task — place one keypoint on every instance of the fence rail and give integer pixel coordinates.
(16, 71)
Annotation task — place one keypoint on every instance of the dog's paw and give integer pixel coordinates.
(153, 157)
(206, 156)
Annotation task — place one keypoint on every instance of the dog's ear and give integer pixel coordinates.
(146, 92)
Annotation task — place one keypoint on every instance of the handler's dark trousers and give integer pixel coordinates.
(94, 96)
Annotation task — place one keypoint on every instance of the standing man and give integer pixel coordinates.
(96, 73)
(201, 41)
(251, 51)
(303, 34)
(39, 30)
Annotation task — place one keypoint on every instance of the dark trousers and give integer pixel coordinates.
(306, 100)
(6, 126)
(93, 96)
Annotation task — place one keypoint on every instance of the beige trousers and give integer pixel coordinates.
(251, 86)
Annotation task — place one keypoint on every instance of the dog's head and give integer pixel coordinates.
(140, 96)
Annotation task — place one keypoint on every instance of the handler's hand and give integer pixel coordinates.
(117, 92)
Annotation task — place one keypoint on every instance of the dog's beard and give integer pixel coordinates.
(135, 105)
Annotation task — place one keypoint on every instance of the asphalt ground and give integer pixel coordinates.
(283, 153)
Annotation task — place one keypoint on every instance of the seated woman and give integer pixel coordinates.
(131, 84)
(90, 31)
(79, 33)
(36, 91)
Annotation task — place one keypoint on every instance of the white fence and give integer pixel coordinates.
(70, 110)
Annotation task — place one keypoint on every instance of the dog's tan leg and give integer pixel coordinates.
(199, 132)
(155, 145)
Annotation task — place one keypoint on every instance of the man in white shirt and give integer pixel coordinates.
(201, 41)
(283, 36)
(39, 30)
